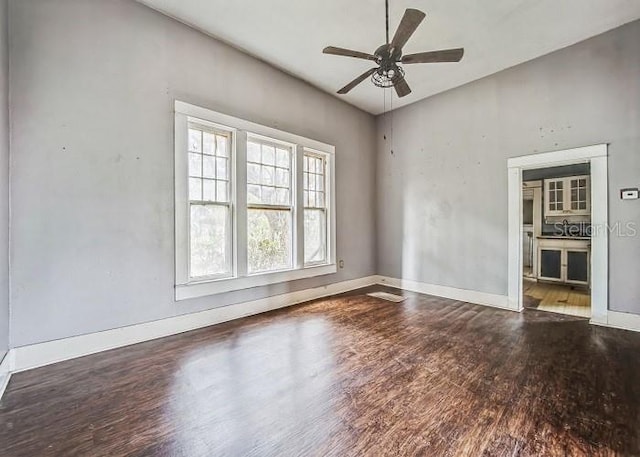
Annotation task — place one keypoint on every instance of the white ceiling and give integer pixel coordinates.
(496, 34)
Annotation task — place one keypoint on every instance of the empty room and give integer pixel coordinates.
(304, 228)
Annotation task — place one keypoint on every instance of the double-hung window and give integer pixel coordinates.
(315, 208)
(210, 237)
(253, 205)
(269, 206)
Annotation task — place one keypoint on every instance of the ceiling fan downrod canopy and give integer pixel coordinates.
(388, 72)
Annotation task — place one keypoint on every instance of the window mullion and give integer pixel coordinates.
(241, 203)
(298, 208)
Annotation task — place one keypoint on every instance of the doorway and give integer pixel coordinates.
(556, 233)
(544, 262)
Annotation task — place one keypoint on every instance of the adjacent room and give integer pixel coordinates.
(363, 228)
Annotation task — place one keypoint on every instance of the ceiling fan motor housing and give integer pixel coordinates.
(388, 53)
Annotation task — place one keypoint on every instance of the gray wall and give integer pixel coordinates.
(4, 182)
(93, 84)
(442, 214)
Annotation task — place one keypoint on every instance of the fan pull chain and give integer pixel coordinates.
(391, 112)
(388, 117)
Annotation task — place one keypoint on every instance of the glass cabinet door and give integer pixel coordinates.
(579, 194)
(555, 196)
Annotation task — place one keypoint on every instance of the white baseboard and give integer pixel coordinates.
(614, 319)
(624, 321)
(470, 296)
(5, 372)
(37, 355)
(41, 354)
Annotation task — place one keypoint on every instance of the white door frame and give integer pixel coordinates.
(597, 156)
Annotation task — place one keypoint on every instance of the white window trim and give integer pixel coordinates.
(185, 287)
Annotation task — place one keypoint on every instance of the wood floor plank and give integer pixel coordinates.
(558, 298)
(350, 375)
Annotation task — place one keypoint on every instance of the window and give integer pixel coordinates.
(269, 206)
(315, 210)
(253, 205)
(209, 202)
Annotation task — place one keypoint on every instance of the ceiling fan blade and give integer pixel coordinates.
(348, 53)
(357, 81)
(402, 88)
(409, 23)
(446, 55)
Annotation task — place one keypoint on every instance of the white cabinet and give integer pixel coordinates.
(564, 261)
(567, 196)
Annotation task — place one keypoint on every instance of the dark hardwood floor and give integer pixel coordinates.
(346, 376)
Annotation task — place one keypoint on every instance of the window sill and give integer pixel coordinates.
(218, 286)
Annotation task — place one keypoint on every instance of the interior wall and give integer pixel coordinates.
(442, 192)
(93, 85)
(4, 181)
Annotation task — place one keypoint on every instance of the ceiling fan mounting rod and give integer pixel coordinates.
(386, 3)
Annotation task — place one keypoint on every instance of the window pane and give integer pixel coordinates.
(209, 166)
(221, 168)
(269, 240)
(208, 144)
(195, 140)
(221, 191)
(315, 247)
(282, 177)
(282, 158)
(195, 164)
(282, 197)
(208, 190)
(267, 175)
(222, 149)
(253, 152)
(254, 194)
(268, 155)
(253, 173)
(268, 195)
(209, 240)
(195, 189)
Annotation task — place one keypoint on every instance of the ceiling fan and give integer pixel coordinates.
(389, 73)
